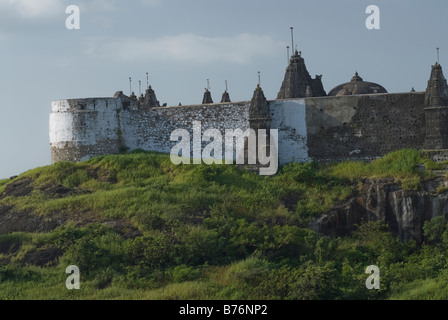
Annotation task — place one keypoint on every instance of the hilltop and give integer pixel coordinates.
(139, 227)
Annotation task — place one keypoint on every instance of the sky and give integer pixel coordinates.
(182, 43)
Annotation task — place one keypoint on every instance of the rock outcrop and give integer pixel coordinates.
(404, 211)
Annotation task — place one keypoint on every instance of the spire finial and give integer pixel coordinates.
(208, 84)
(292, 38)
(130, 85)
(438, 55)
(147, 80)
(226, 86)
(259, 78)
(139, 87)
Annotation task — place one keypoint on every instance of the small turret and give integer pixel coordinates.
(259, 116)
(207, 97)
(259, 119)
(150, 100)
(225, 97)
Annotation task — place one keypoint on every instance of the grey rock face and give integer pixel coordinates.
(404, 211)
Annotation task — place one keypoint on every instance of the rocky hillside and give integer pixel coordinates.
(140, 227)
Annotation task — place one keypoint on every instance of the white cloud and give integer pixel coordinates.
(184, 48)
(33, 8)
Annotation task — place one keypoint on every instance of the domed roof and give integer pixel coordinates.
(356, 86)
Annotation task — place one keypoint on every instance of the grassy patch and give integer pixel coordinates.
(400, 165)
(428, 289)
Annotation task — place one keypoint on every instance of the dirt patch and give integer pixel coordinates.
(11, 221)
(59, 191)
(43, 257)
(19, 188)
(9, 247)
(24, 187)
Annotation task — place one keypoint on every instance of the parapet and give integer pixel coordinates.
(94, 104)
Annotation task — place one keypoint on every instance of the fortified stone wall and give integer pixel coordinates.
(320, 128)
(84, 128)
(151, 129)
(364, 126)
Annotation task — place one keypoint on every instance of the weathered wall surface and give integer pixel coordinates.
(289, 117)
(322, 129)
(364, 126)
(84, 128)
(151, 129)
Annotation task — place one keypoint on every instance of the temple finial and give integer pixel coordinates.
(292, 37)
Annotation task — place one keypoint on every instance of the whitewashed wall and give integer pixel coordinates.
(289, 117)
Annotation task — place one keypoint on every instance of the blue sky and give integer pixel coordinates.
(182, 43)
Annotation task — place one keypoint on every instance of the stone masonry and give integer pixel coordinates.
(311, 125)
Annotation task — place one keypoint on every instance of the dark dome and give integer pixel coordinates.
(356, 86)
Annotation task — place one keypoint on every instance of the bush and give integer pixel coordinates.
(434, 229)
(17, 274)
(98, 249)
(183, 273)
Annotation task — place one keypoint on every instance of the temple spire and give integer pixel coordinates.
(437, 90)
(297, 80)
(436, 110)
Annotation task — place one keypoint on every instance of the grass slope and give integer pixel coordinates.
(139, 227)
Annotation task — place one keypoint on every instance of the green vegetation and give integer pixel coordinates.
(401, 165)
(139, 227)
